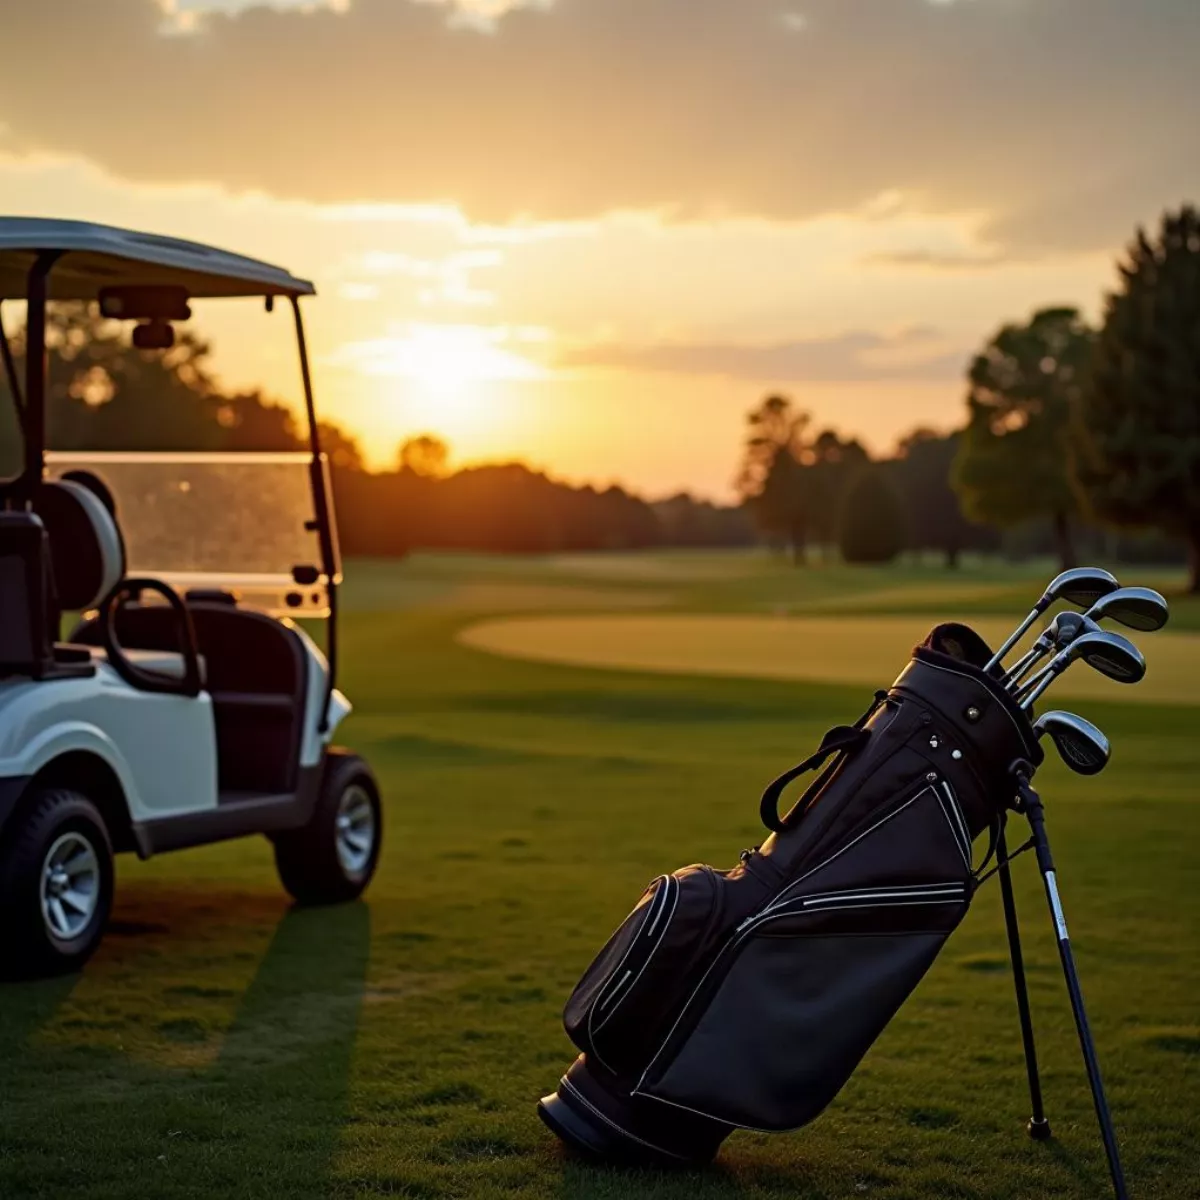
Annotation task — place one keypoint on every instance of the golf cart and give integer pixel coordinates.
(188, 706)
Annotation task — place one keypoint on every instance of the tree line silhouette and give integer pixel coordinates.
(1075, 439)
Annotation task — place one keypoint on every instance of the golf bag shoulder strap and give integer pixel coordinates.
(841, 739)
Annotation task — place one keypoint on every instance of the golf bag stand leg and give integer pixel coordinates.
(1031, 805)
(1038, 1127)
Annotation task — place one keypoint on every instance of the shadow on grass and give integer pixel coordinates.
(259, 1112)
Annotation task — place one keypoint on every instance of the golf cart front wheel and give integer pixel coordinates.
(332, 858)
(56, 885)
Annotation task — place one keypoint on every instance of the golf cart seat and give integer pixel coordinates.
(87, 561)
(87, 556)
(256, 675)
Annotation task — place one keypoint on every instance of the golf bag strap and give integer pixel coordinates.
(841, 739)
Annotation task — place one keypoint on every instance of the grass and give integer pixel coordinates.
(223, 1044)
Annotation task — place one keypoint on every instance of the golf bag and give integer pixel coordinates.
(746, 998)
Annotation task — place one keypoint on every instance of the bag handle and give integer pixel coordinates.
(841, 739)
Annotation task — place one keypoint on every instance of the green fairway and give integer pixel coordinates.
(222, 1044)
(842, 649)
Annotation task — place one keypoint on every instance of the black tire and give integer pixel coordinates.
(312, 865)
(62, 829)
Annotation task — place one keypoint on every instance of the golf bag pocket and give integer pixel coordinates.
(618, 1008)
(797, 997)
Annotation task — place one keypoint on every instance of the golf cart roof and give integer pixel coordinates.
(97, 256)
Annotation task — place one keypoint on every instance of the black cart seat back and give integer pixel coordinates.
(25, 586)
(256, 672)
(87, 555)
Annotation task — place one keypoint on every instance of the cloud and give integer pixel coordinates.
(1025, 110)
(915, 354)
(938, 260)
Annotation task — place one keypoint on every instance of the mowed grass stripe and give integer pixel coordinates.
(846, 650)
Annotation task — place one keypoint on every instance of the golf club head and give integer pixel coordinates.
(1080, 586)
(1063, 630)
(1137, 608)
(1079, 743)
(1109, 653)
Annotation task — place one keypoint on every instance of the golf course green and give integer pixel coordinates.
(549, 735)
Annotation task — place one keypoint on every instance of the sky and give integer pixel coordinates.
(592, 234)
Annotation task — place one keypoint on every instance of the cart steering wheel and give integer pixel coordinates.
(143, 678)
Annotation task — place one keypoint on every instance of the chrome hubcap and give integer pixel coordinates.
(355, 829)
(70, 886)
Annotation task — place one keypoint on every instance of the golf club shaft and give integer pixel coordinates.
(1033, 688)
(1034, 811)
(1014, 637)
(1024, 664)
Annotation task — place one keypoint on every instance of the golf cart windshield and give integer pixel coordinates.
(237, 522)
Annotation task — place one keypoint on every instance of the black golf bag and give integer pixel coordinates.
(746, 998)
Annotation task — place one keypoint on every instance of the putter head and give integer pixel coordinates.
(1080, 586)
(1079, 743)
(1138, 608)
(1109, 653)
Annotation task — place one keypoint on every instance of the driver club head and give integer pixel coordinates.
(1139, 608)
(1082, 746)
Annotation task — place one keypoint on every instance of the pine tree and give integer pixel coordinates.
(1137, 428)
(1013, 462)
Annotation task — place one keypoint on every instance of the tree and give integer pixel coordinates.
(921, 473)
(1013, 462)
(771, 480)
(872, 519)
(830, 466)
(1138, 421)
(425, 454)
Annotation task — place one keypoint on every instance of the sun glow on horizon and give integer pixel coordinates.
(447, 374)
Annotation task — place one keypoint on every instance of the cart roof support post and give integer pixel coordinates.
(330, 561)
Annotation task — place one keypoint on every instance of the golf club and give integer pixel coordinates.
(1079, 743)
(1134, 607)
(1080, 586)
(1063, 630)
(1109, 653)
(1138, 608)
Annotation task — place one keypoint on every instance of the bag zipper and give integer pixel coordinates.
(608, 999)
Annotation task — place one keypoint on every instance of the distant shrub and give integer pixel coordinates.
(872, 520)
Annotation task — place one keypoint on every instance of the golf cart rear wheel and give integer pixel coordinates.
(333, 857)
(56, 885)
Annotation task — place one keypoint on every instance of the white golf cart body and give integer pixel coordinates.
(162, 750)
(189, 704)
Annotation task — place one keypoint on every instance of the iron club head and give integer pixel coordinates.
(1079, 743)
(1103, 651)
(1109, 653)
